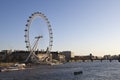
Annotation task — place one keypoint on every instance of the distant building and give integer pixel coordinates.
(55, 55)
(58, 56)
(61, 57)
(5, 55)
(7, 51)
(67, 54)
(19, 56)
(2, 56)
(41, 54)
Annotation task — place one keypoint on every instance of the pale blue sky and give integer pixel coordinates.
(82, 26)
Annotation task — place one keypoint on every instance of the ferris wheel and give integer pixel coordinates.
(27, 36)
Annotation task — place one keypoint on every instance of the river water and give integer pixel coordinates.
(95, 70)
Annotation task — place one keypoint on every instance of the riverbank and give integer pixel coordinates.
(6, 64)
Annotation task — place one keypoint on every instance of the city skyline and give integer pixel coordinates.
(81, 26)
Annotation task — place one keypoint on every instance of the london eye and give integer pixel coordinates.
(32, 47)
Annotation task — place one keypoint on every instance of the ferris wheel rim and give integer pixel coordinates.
(29, 21)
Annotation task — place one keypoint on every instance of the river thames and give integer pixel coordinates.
(95, 70)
